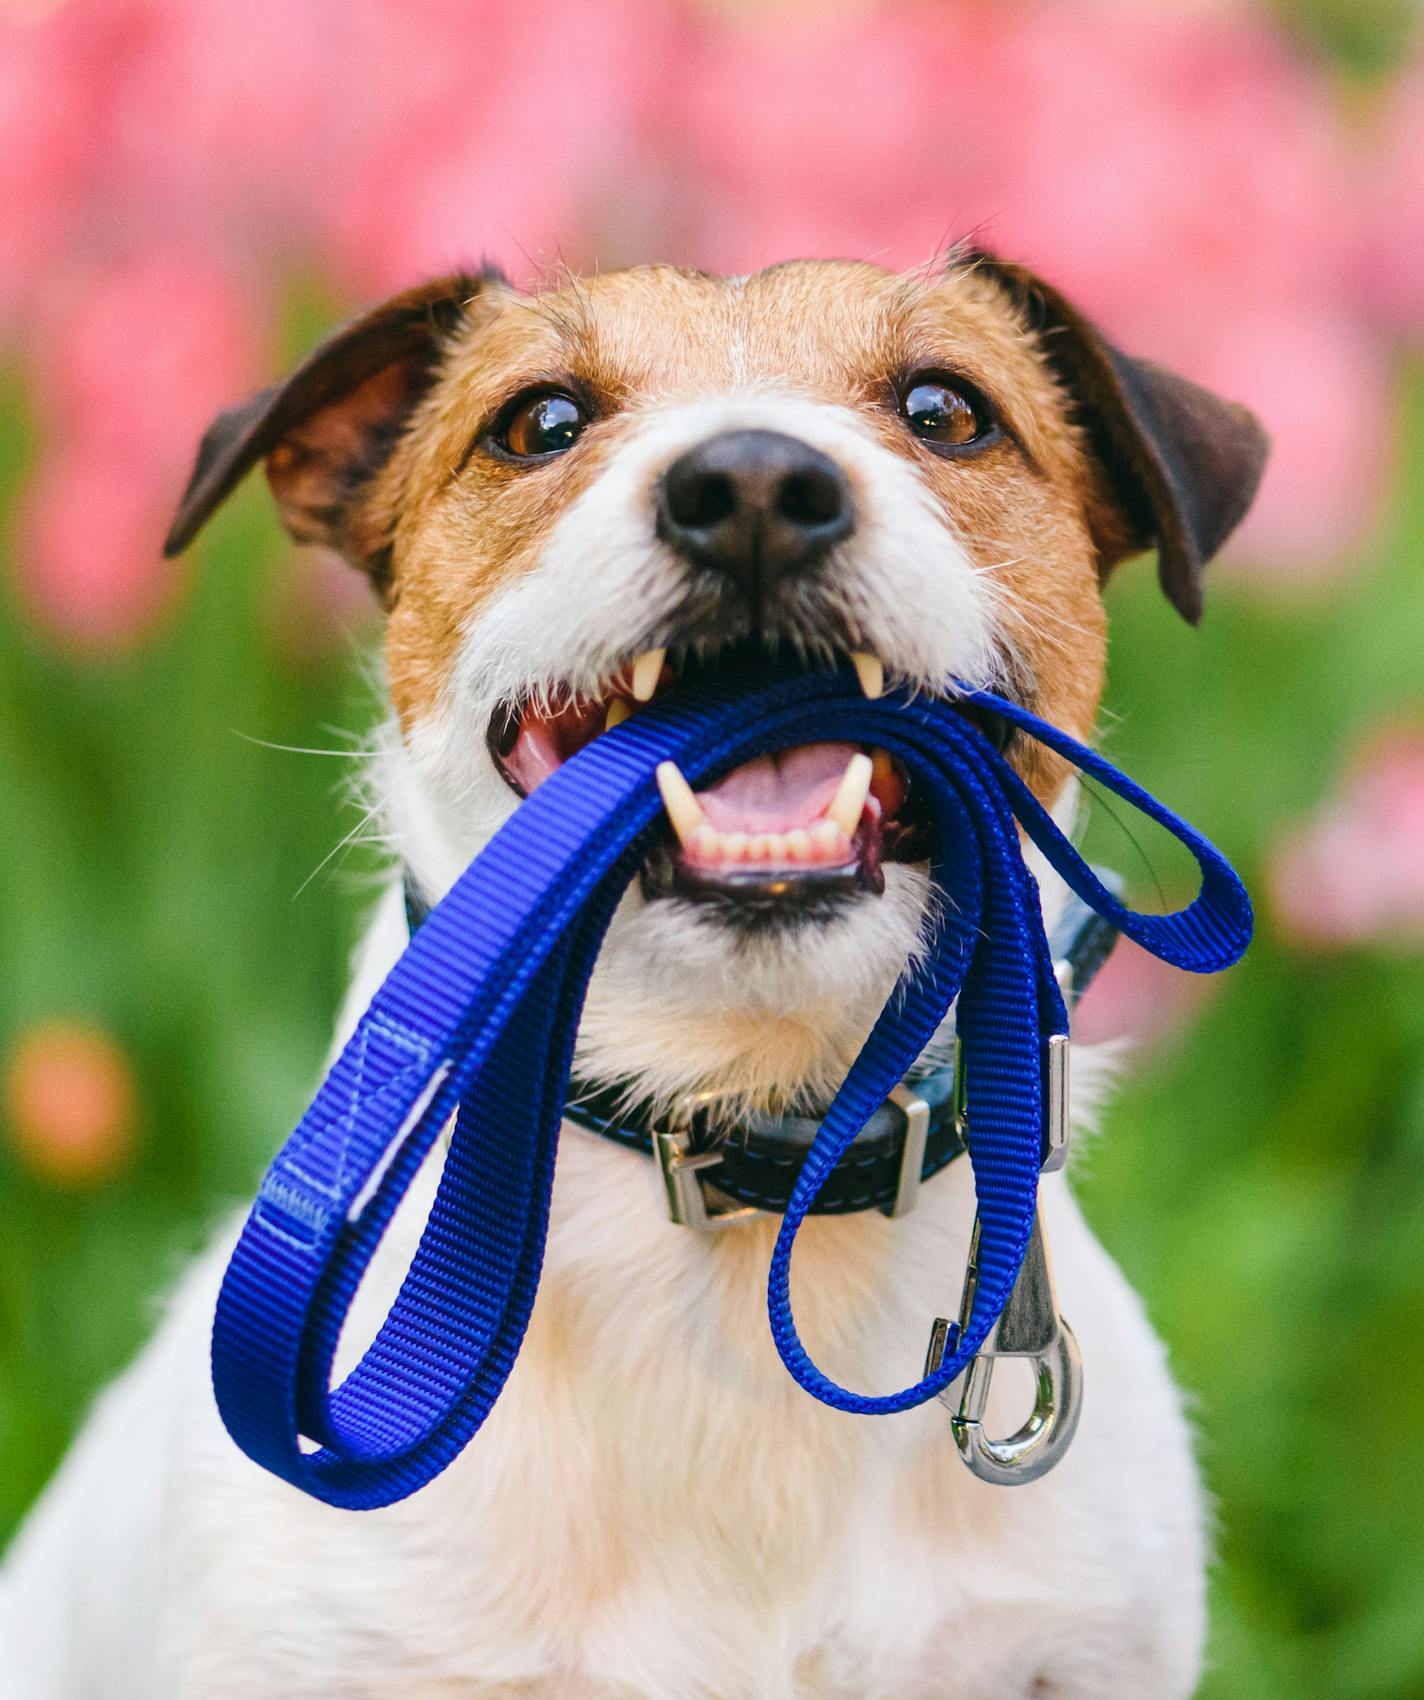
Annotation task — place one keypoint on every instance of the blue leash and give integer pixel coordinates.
(479, 1017)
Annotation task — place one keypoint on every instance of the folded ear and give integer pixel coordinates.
(330, 427)
(1180, 465)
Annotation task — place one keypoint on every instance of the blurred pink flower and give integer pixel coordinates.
(1184, 174)
(130, 363)
(87, 548)
(1154, 164)
(499, 141)
(1355, 873)
(1137, 997)
(873, 135)
(1172, 168)
(43, 155)
(203, 115)
(1391, 271)
(140, 352)
(125, 121)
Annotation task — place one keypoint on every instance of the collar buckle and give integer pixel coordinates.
(692, 1201)
(912, 1148)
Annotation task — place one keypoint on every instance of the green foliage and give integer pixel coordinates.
(1365, 38)
(1262, 1181)
(152, 880)
(1259, 1179)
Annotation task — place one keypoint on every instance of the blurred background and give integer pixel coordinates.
(191, 191)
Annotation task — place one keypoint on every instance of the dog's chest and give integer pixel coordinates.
(679, 1550)
(655, 1508)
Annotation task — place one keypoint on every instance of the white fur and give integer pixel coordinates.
(655, 1510)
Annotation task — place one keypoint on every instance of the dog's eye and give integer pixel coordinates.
(942, 413)
(543, 422)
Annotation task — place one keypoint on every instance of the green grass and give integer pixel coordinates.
(1258, 1178)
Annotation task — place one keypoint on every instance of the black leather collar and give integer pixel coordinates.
(761, 1155)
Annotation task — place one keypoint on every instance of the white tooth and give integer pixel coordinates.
(848, 804)
(870, 670)
(618, 712)
(683, 809)
(647, 670)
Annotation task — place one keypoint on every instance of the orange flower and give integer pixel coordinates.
(70, 1104)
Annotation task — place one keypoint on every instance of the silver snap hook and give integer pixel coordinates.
(1029, 1326)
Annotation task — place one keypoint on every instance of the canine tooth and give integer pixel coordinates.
(707, 844)
(848, 804)
(683, 809)
(618, 712)
(647, 670)
(870, 670)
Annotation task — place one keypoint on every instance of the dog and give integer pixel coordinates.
(562, 498)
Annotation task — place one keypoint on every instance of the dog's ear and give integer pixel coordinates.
(329, 428)
(1180, 465)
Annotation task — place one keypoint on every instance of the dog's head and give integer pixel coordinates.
(563, 498)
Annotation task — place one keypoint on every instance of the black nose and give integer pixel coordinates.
(755, 505)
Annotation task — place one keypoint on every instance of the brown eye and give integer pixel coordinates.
(544, 422)
(943, 414)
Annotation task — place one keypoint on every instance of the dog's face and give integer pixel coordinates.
(564, 498)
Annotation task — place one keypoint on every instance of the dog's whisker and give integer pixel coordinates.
(301, 749)
(353, 837)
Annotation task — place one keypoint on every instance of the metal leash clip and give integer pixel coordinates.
(1029, 1326)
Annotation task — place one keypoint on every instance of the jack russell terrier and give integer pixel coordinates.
(558, 497)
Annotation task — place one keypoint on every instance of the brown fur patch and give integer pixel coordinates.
(464, 522)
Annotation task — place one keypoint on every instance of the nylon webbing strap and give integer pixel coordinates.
(480, 1013)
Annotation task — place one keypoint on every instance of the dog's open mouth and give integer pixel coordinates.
(804, 823)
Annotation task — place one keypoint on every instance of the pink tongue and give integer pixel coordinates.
(779, 791)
